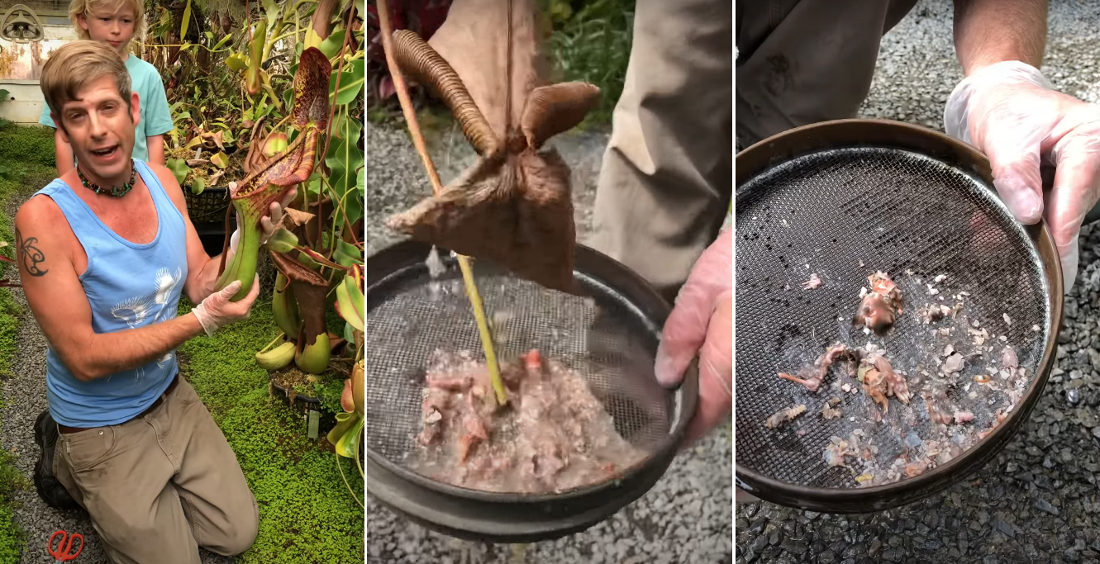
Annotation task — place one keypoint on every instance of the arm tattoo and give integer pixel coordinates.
(29, 254)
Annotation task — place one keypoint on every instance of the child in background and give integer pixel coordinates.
(114, 22)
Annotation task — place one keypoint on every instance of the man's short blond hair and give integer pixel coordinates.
(84, 7)
(75, 65)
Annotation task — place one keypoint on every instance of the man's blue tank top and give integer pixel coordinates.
(128, 286)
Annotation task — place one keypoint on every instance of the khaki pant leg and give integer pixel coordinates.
(121, 476)
(802, 62)
(222, 511)
(664, 186)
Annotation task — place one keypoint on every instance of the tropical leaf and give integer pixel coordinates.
(331, 45)
(186, 20)
(351, 82)
(349, 302)
(344, 159)
(179, 168)
(347, 254)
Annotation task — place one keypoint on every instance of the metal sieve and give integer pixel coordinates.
(841, 200)
(608, 333)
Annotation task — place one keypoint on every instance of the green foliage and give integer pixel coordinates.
(306, 514)
(21, 174)
(11, 535)
(379, 114)
(591, 42)
(25, 145)
(9, 330)
(329, 391)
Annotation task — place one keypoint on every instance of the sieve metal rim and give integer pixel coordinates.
(518, 517)
(879, 133)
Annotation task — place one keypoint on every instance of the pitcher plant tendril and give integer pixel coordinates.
(437, 186)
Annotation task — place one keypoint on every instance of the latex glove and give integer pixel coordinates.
(217, 310)
(269, 223)
(701, 323)
(1009, 111)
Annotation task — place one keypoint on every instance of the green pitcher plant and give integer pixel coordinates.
(347, 435)
(274, 180)
(308, 138)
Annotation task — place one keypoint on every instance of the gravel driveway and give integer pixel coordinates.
(1038, 499)
(684, 518)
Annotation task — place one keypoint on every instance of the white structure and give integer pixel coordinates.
(28, 32)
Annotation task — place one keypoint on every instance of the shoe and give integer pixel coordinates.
(49, 488)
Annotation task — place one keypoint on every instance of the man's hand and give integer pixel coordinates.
(1009, 112)
(217, 310)
(702, 323)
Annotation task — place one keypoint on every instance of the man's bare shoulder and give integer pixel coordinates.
(40, 218)
(39, 211)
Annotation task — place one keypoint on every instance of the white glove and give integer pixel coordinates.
(701, 323)
(217, 309)
(1009, 111)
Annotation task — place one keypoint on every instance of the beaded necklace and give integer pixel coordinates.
(113, 191)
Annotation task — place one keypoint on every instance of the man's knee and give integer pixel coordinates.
(237, 533)
(240, 536)
(129, 533)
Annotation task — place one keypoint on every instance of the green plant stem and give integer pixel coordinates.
(340, 467)
(291, 33)
(482, 328)
(278, 337)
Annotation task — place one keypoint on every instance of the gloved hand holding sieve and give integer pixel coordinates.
(1010, 112)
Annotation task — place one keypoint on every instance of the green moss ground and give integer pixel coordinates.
(11, 537)
(307, 513)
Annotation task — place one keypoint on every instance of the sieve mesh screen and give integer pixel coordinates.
(599, 335)
(843, 214)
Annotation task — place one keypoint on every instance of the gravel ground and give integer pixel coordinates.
(1037, 500)
(684, 518)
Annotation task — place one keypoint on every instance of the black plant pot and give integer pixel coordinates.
(315, 418)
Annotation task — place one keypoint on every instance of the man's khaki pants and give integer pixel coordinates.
(805, 61)
(159, 486)
(665, 187)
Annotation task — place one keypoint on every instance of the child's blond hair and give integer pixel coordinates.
(84, 7)
(76, 64)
